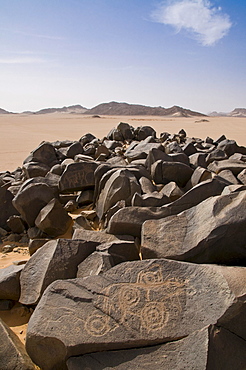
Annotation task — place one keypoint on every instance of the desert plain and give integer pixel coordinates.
(21, 133)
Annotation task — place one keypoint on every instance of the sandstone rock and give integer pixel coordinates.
(12, 352)
(35, 244)
(6, 207)
(78, 176)
(214, 236)
(154, 199)
(81, 223)
(164, 172)
(121, 250)
(147, 185)
(172, 191)
(95, 264)
(85, 197)
(30, 199)
(87, 138)
(198, 159)
(53, 220)
(232, 189)
(34, 169)
(10, 282)
(126, 130)
(199, 175)
(120, 186)
(16, 224)
(242, 176)
(142, 132)
(216, 155)
(140, 150)
(132, 305)
(230, 147)
(99, 236)
(55, 260)
(228, 175)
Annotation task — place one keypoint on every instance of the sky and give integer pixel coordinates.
(56, 53)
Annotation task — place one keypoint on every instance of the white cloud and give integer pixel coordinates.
(203, 21)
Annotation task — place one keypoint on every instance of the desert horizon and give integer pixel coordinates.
(22, 133)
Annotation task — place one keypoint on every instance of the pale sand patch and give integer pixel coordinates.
(21, 133)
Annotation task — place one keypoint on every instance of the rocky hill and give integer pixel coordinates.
(238, 112)
(125, 109)
(71, 109)
(3, 111)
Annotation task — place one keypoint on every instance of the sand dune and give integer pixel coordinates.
(21, 133)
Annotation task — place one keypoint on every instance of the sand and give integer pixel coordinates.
(21, 133)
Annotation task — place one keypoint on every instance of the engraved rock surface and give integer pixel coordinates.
(78, 176)
(133, 304)
(216, 235)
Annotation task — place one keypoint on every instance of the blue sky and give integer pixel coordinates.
(190, 53)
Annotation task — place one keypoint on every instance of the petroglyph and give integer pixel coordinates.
(146, 305)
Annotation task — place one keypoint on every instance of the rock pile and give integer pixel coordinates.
(138, 252)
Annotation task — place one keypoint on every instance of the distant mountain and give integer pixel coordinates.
(125, 109)
(238, 112)
(3, 111)
(71, 109)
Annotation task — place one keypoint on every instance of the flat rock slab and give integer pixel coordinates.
(212, 232)
(207, 349)
(134, 304)
(12, 352)
(57, 259)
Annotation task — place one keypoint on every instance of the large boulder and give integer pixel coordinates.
(6, 207)
(56, 259)
(30, 199)
(12, 352)
(134, 304)
(164, 172)
(121, 185)
(53, 220)
(212, 232)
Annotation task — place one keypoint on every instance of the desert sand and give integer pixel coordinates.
(21, 133)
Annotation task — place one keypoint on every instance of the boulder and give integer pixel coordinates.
(141, 150)
(30, 199)
(234, 166)
(85, 197)
(10, 282)
(126, 130)
(16, 224)
(35, 169)
(142, 132)
(6, 207)
(242, 177)
(81, 222)
(134, 304)
(172, 191)
(228, 175)
(212, 232)
(12, 352)
(154, 199)
(53, 220)
(121, 250)
(55, 260)
(44, 153)
(99, 236)
(163, 172)
(95, 264)
(121, 185)
(78, 176)
(35, 244)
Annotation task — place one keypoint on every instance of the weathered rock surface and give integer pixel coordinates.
(215, 236)
(53, 220)
(30, 199)
(95, 264)
(57, 259)
(6, 207)
(134, 304)
(10, 282)
(207, 349)
(12, 352)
